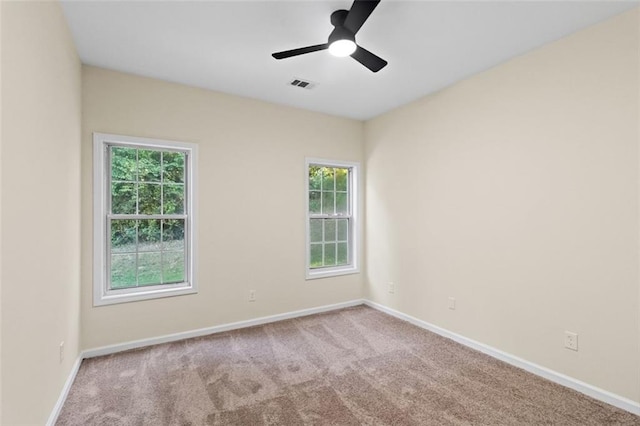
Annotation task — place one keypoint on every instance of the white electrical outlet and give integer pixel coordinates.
(252, 295)
(452, 303)
(392, 287)
(571, 340)
(61, 351)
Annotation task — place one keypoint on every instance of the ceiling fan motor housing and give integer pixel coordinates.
(338, 17)
(341, 33)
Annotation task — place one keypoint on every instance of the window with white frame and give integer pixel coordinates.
(144, 218)
(331, 218)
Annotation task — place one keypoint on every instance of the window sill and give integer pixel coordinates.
(313, 274)
(115, 297)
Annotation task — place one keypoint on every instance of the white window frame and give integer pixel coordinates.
(101, 176)
(354, 230)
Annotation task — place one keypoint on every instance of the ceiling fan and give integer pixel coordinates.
(342, 40)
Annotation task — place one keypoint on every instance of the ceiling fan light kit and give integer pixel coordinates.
(342, 40)
(342, 48)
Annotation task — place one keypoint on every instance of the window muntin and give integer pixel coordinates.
(144, 218)
(331, 218)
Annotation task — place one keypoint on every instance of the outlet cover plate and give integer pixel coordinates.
(571, 340)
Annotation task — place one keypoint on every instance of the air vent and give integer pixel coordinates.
(303, 84)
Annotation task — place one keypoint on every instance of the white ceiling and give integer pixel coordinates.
(226, 45)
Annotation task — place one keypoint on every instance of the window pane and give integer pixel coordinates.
(123, 271)
(148, 198)
(314, 202)
(327, 203)
(330, 254)
(341, 203)
(173, 199)
(123, 198)
(149, 235)
(343, 254)
(341, 179)
(315, 230)
(173, 267)
(173, 234)
(315, 177)
(123, 163)
(149, 268)
(328, 179)
(148, 165)
(123, 236)
(329, 230)
(316, 255)
(343, 229)
(173, 166)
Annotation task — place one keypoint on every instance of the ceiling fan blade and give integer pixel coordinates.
(368, 59)
(300, 51)
(358, 14)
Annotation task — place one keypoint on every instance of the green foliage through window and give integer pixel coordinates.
(147, 250)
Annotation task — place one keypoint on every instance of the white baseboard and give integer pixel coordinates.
(53, 417)
(562, 379)
(111, 349)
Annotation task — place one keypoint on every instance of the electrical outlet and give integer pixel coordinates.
(392, 287)
(61, 351)
(571, 340)
(452, 303)
(252, 295)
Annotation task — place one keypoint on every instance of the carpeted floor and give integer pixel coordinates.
(355, 366)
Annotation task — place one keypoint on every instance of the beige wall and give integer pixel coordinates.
(250, 202)
(40, 240)
(0, 212)
(516, 192)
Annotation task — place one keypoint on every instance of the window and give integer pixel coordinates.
(144, 222)
(331, 218)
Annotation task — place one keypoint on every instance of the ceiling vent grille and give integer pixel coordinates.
(303, 84)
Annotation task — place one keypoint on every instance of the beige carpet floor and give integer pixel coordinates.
(354, 366)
